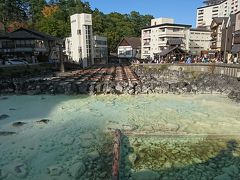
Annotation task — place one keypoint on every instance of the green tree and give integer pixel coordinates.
(12, 11)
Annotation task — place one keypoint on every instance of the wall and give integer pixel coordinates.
(126, 52)
(224, 69)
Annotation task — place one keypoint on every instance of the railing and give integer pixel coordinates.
(232, 70)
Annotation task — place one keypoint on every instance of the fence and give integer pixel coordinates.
(232, 70)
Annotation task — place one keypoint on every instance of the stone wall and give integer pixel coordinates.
(150, 80)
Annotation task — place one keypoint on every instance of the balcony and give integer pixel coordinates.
(213, 46)
(146, 52)
(146, 44)
(147, 36)
(171, 34)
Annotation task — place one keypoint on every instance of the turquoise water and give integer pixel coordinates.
(76, 142)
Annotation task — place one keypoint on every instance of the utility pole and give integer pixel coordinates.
(225, 42)
(62, 69)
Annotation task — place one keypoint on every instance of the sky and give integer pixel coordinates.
(183, 11)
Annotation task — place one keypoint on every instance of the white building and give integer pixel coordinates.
(79, 47)
(223, 8)
(129, 48)
(200, 40)
(100, 50)
(163, 34)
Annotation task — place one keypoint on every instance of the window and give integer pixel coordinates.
(176, 30)
(162, 30)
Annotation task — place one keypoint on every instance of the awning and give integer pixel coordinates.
(236, 48)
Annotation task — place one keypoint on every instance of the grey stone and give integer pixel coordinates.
(132, 158)
(55, 170)
(223, 177)
(77, 170)
(94, 155)
(4, 116)
(231, 170)
(145, 175)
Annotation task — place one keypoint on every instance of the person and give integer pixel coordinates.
(189, 60)
(235, 60)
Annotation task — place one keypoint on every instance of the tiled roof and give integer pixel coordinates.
(135, 42)
(29, 34)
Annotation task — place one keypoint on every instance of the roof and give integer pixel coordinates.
(174, 41)
(134, 42)
(169, 24)
(30, 34)
(167, 51)
(4, 35)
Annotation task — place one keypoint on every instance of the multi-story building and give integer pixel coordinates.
(79, 47)
(163, 34)
(216, 8)
(199, 40)
(236, 41)
(216, 28)
(100, 50)
(28, 44)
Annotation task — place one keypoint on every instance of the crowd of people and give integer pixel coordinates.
(190, 60)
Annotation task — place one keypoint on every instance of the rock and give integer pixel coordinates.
(129, 127)
(86, 144)
(12, 109)
(18, 124)
(145, 175)
(6, 133)
(103, 174)
(93, 155)
(55, 170)
(172, 127)
(4, 116)
(167, 165)
(223, 177)
(132, 158)
(87, 136)
(43, 121)
(67, 140)
(77, 170)
(231, 170)
(3, 173)
(119, 88)
(4, 98)
(18, 169)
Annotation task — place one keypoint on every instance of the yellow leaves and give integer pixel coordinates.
(49, 10)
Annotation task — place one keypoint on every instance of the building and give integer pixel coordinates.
(222, 35)
(216, 36)
(199, 40)
(79, 47)
(163, 34)
(100, 50)
(28, 44)
(129, 48)
(214, 9)
(228, 29)
(236, 39)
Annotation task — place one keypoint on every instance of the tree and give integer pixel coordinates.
(12, 11)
